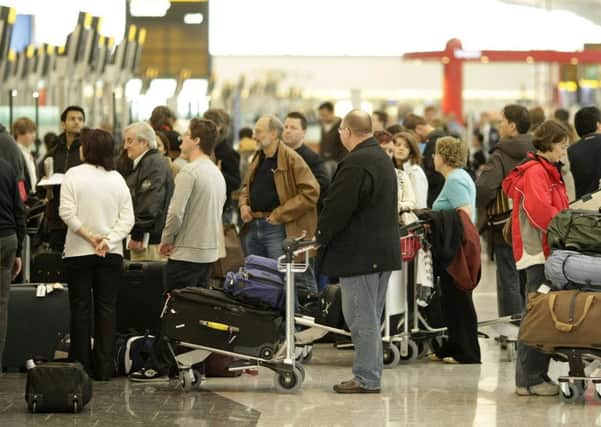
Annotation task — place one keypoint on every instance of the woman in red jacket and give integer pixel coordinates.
(538, 193)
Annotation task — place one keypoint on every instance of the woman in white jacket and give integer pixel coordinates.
(96, 205)
(408, 157)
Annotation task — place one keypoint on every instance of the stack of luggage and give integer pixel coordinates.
(568, 315)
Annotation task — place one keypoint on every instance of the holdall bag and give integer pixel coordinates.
(57, 387)
(209, 318)
(562, 319)
(234, 255)
(575, 229)
(259, 283)
(565, 268)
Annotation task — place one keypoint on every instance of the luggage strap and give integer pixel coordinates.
(569, 327)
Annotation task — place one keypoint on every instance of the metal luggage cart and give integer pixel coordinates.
(573, 386)
(289, 375)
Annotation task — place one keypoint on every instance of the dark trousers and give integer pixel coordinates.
(93, 284)
(510, 283)
(460, 317)
(56, 239)
(531, 365)
(180, 274)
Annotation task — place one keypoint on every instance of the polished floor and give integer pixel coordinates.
(422, 393)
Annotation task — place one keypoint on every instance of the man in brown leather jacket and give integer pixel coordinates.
(279, 194)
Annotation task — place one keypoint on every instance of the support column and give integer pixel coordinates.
(452, 85)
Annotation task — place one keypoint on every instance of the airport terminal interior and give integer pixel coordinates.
(194, 226)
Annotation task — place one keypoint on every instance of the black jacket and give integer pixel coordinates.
(151, 187)
(358, 227)
(230, 167)
(320, 173)
(435, 180)
(12, 213)
(585, 163)
(506, 155)
(63, 161)
(330, 146)
(11, 153)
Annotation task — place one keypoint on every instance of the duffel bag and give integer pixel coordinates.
(57, 387)
(562, 319)
(574, 229)
(257, 287)
(569, 267)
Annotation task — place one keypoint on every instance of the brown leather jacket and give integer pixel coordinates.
(297, 189)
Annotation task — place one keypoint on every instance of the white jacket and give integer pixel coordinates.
(420, 184)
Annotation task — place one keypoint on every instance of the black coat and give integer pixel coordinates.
(585, 164)
(230, 167)
(151, 186)
(315, 163)
(435, 180)
(64, 159)
(358, 227)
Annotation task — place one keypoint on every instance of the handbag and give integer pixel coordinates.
(499, 210)
(234, 255)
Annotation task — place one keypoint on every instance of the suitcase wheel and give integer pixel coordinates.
(289, 381)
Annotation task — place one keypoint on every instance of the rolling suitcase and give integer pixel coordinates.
(47, 267)
(210, 318)
(36, 325)
(140, 297)
(565, 268)
(57, 387)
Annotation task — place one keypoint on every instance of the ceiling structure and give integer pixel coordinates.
(589, 9)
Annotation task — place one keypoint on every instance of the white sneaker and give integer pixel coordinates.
(542, 389)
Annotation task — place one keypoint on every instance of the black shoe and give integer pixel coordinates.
(353, 387)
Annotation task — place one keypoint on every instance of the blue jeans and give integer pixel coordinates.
(363, 299)
(8, 249)
(510, 298)
(531, 365)
(264, 239)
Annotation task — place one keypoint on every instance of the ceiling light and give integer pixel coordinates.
(154, 8)
(193, 18)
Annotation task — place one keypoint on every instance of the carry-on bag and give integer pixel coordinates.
(57, 387)
(578, 230)
(589, 202)
(565, 268)
(562, 319)
(234, 255)
(210, 318)
(140, 297)
(36, 324)
(47, 267)
(258, 283)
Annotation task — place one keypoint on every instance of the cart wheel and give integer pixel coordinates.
(571, 392)
(197, 379)
(307, 355)
(75, 407)
(186, 378)
(392, 355)
(412, 352)
(302, 371)
(289, 381)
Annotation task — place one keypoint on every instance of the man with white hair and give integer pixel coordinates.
(151, 185)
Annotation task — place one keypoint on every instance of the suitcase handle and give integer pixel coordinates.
(569, 327)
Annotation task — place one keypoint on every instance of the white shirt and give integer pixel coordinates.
(137, 159)
(99, 201)
(30, 163)
(420, 184)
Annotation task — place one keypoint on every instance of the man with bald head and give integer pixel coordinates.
(359, 235)
(279, 194)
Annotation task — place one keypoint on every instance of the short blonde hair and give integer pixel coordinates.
(452, 151)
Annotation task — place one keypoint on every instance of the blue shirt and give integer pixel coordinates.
(458, 190)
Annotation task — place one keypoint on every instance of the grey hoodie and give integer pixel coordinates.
(505, 156)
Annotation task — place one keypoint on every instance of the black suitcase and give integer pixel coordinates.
(36, 325)
(140, 297)
(210, 318)
(47, 267)
(57, 387)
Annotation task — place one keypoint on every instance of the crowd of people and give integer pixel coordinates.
(164, 196)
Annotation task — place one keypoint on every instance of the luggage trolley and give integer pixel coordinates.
(573, 386)
(289, 375)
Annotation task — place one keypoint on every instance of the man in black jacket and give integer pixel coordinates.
(64, 155)
(359, 234)
(330, 146)
(151, 185)
(12, 232)
(585, 155)
(228, 160)
(427, 136)
(509, 152)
